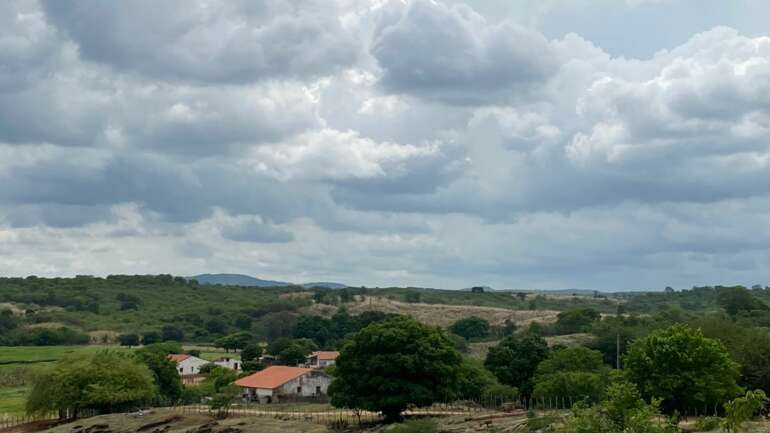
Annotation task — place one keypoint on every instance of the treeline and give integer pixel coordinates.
(161, 307)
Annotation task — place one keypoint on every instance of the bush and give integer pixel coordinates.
(470, 328)
(707, 423)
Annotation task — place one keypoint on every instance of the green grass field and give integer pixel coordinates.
(12, 400)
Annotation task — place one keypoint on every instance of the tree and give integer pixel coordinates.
(315, 328)
(574, 372)
(251, 352)
(236, 341)
(294, 354)
(105, 380)
(216, 326)
(390, 365)
(129, 340)
(575, 321)
(470, 328)
(164, 372)
(171, 333)
(683, 368)
(515, 360)
(150, 338)
(738, 299)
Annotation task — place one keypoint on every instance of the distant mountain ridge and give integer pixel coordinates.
(249, 281)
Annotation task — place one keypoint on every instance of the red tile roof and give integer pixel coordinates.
(325, 356)
(272, 377)
(178, 357)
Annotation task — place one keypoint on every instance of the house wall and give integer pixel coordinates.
(191, 365)
(307, 384)
(232, 364)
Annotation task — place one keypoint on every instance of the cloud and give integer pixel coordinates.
(222, 42)
(379, 143)
(253, 229)
(455, 55)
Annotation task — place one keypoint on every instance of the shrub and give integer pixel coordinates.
(707, 423)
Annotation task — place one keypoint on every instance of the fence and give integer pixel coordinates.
(8, 421)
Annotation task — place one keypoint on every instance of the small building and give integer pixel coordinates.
(229, 363)
(321, 359)
(280, 383)
(187, 365)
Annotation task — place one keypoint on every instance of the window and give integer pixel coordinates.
(317, 390)
(299, 390)
(181, 370)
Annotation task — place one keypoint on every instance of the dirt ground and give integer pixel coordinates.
(441, 314)
(164, 421)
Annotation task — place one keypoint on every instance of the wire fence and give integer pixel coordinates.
(8, 421)
(320, 412)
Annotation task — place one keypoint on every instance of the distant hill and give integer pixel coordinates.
(236, 280)
(325, 285)
(249, 281)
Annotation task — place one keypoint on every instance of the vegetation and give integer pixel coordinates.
(157, 308)
(742, 409)
(515, 360)
(574, 372)
(471, 328)
(624, 411)
(106, 380)
(682, 368)
(390, 365)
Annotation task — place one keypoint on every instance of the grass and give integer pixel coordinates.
(12, 400)
(210, 353)
(43, 356)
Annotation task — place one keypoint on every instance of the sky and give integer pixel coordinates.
(530, 144)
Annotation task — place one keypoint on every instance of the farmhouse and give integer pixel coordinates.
(187, 365)
(279, 383)
(229, 363)
(321, 359)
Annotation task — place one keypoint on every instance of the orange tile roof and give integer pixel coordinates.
(325, 356)
(272, 377)
(178, 357)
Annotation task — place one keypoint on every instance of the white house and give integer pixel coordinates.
(279, 382)
(229, 363)
(321, 359)
(187, 365)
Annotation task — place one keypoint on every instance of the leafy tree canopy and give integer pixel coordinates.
(105, 380)
(390, 365)
(683, 368)
(470, 328)
(515, 360)
(574, 372)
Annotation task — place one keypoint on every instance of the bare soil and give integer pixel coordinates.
(440, 314)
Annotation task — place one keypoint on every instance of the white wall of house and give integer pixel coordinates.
(311, 384)
(189, 366)
(232, 364)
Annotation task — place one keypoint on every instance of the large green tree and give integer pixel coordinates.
(390, 365)
(515, 360)
(683, 368)
(105, 380)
